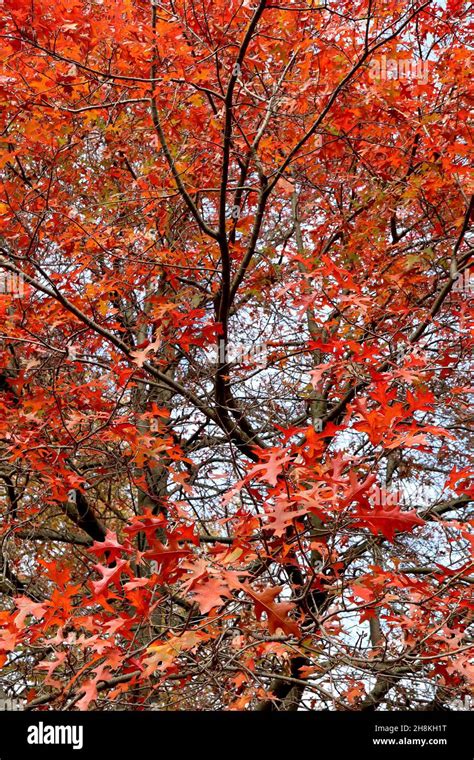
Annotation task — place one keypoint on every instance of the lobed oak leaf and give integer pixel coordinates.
(270, 470)
(210, 594)
(8, 641)
(277, 612)
(27, 607)
(89, 695)
(280, 518)
(109, 575)
(110, 546)
(50, 666)
(141, 355)
(388, 522)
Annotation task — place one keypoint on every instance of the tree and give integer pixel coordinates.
(235, 348)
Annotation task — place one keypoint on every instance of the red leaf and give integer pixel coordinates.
(388, 521)
(210, 594)
(27, 607)
(110, 546)
(277, 613)
(110, 574)
(90, 694)
(271, 470)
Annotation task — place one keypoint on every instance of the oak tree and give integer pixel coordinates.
(234, 390)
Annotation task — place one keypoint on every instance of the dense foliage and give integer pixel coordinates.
(235, 354)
